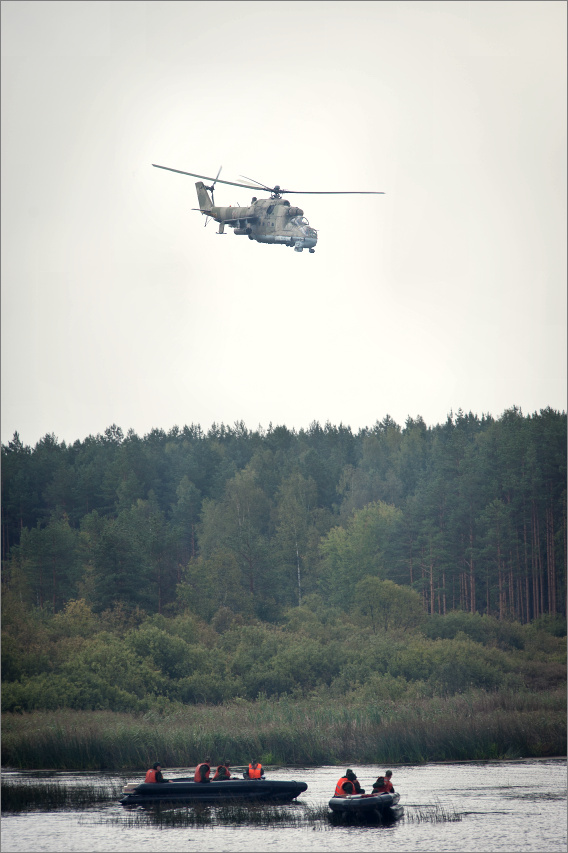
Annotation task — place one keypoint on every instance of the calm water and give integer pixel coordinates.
(505, 807)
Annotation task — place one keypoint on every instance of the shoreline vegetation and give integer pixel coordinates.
(470, 726)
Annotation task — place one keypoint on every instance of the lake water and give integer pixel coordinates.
(504, 806)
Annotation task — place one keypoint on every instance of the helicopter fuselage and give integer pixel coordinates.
(266, 220)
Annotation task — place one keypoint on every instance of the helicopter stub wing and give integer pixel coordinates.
(231, 219)
(240, 219)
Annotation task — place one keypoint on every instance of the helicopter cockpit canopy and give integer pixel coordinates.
(302, 223)
(294, 211)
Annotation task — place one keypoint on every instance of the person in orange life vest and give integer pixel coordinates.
(345, 787)
(388, 782)
(379, 786)
(254, 770)
(222, 772)
(155, 774)
(356, 784)
(202, 771)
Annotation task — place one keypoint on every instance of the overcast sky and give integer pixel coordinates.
(447, 292)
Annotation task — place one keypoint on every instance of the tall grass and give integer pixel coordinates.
(318, 817)
(477, 726)
(48, 796)
(431, 814)
(251, 814)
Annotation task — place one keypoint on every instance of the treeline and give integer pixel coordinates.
(468, 515)
(138, 664)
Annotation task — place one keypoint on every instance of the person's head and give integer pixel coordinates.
(207, 760)
(157, 766)
(350, 775)
(254, 762)
(388, 774)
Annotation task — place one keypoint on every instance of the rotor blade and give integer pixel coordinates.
(271, 189)
(212, 187)
(314, 192)
(333, 192)
(205, 178)
(257, 182)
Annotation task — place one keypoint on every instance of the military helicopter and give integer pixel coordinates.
(266, 220)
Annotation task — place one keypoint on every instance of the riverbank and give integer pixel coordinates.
(477, 726)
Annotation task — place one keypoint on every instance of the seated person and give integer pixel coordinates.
(202, 771)
(380, 787)
(345, 787)
(356, 784)
(155, 774)
(222, 773)
(254, 770)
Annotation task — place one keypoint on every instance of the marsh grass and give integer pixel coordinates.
(436, 813)
(476, 726)
(50, 796)
(252, 814)
(263, 815)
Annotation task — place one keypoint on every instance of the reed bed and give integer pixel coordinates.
(50, 796)
(477, 726)
(436, 813)
(318, 817)
(252, 814)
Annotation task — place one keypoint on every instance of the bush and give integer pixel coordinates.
(170, 654)
(51, 692)
(453, 665)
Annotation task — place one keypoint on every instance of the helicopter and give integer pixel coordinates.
(266, 220)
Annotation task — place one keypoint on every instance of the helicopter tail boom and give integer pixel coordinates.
(205, 202)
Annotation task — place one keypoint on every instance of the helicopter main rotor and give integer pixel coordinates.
(275, 192)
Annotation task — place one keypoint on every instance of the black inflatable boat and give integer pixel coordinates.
(186, 791)
(381, 808)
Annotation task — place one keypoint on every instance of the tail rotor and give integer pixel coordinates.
(211, 190)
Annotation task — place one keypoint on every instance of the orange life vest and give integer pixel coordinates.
(197, 776)
(339, 791)
(222, 772)
(389, 785)
(150, 776)
(382, 790)
(255, 772)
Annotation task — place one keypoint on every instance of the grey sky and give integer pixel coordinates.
(449, 291)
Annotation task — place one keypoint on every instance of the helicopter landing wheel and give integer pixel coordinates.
(311, 251)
